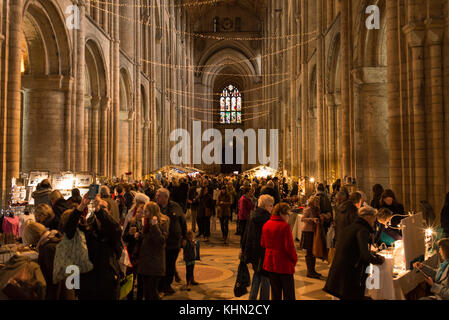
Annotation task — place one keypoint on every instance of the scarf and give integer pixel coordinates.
(46, 237)
(443, 267)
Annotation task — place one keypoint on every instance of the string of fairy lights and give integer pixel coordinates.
(194, 34)
(176, 5)
(197, 68)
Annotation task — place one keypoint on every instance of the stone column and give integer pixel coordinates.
(345, 93)
(94, 135)
(436, 183)
(115, 95)
(394, 102)
(320, 128)
(103, 147)
(80, 151)
(415, 38)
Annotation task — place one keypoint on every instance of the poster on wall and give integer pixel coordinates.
(83, 180)
(36, 177)
(63, 181)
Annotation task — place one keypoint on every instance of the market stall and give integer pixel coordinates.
(261, 172)
(394, 279)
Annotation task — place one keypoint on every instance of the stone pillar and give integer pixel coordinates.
(345, 90)
(115, 95)
(320, 128)
(80, 151)
(103, 147)
(44, 122)
(12, 158)
(415, 38)
(94, 134)
(394, 102)
(436, 182)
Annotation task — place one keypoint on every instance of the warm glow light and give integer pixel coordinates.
(22, 65)
(312, 180)
(429, 233)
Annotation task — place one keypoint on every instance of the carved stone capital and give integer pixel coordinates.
(415, 34)
(435, 31)
(370, 75)
(105, 103)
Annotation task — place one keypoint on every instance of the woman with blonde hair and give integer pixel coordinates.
(310, 219)
(152, 265)
(44, 214)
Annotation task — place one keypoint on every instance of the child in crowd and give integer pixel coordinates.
(190, 254)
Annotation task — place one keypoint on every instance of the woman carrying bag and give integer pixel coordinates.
(103, 239)
(311, 222)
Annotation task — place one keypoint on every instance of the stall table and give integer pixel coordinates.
(396, 287)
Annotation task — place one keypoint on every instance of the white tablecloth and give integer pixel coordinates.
(396, 288)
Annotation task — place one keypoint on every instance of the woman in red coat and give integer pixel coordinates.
(280, 253)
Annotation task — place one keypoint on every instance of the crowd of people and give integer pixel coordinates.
(150, 219)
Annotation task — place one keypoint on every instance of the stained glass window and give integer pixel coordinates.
(231, 106)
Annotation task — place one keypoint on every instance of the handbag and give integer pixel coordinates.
(126, 286)
(318, 249)
(242, 280)
(125, 261)
(71, 252)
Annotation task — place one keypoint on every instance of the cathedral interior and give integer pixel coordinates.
(99, 85)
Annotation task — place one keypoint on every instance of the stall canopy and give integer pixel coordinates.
(261, 172)
(176, 171)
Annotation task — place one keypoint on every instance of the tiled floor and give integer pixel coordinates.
(216, 273)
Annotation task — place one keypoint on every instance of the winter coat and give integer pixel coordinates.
(132, 244)
(272, 192)
(189, 251)
(60, 207)
(42, 196)
(252, 249)
(245, 208)
(325, 203)
(309, 214)
(152, 251)
(204, 202)
(103, 239)
(47, 249)
(224, 205)
(440, 288)
(347, 275)
(178, 226)
(346, 213)
(280, 253)
(113, 208)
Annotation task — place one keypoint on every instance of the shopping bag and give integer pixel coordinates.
(126, 286)
(318, 244)
(125, 261)
(71, 252)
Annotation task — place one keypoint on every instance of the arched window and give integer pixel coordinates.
(231, 105)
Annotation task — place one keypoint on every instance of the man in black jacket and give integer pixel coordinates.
(347, 276)
(346, 214)
(252, 250)
(272, 191)
(176, 236)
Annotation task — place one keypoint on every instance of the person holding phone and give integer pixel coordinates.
(152, 264)
(437, 279)
(103, 239)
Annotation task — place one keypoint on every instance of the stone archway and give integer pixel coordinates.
(96, 108)
(46, 86)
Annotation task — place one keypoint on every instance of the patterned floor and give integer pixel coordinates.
(216, 273)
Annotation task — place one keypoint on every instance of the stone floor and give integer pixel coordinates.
(216, 272)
